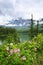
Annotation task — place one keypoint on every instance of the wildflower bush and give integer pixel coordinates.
(27, 53)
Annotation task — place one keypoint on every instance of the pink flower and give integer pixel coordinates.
(18, 50)
(15, 50)
(11, 52)
(24, 58)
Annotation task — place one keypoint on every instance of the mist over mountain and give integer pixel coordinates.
(19, 22)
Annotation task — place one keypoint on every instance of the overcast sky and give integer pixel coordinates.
(20, 8)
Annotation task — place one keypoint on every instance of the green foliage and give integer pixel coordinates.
(9, 34)
(35, 29)
(27, 53)
(31, 28)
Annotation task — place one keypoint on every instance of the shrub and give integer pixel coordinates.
(28, 53)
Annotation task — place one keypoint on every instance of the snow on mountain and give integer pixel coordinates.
(20, 22)
(41, 21)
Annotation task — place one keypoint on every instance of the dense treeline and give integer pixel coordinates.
(35, 29)
(7, 30)
(9, 34)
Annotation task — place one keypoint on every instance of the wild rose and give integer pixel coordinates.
(24, 58)
(18, 50)
(7, 48)
(15, 50)
(11, 52)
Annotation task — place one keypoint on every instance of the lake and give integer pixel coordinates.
(24, 36)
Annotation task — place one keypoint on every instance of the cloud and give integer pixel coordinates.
(11, 25)
(6, 7)
(4, 20)
(21, 8)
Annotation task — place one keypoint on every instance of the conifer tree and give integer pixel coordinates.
(37, 27)
(31, 27)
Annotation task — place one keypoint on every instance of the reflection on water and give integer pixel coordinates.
(24, 37)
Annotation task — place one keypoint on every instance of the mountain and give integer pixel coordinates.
(41, 19)
(22, 23)
(19, 22)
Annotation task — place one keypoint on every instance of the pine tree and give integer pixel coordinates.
(37, 27)
(31, 27)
